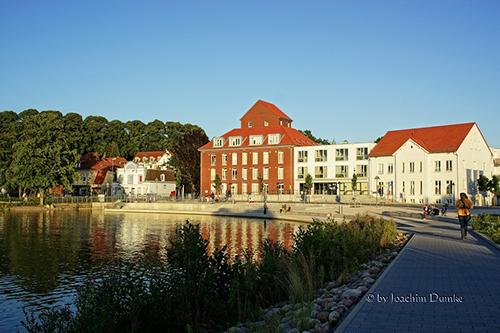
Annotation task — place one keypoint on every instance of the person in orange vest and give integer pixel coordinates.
(464, 206)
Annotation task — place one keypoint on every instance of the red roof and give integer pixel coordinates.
(263, 105)
(289, 136)
(436, 139)
(148, 154)
(109, 163)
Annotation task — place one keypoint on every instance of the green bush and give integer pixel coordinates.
(488, 225)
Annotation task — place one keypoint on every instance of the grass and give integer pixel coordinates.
(488, 225)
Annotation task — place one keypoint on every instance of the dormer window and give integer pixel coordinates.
(144, 159)
(255, 140)
(235, 141)
(250, 124)
(266, 123)
(273, 139)
(162, 177)
(218, 142)
(151, 160)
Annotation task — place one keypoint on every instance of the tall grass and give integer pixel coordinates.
(488, 225)
(195, 291)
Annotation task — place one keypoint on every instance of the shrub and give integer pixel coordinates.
(488, 225)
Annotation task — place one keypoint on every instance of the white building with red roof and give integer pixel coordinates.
(431, 164)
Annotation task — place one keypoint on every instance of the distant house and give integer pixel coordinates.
(153, 159)
(137, 179)
(97, 174)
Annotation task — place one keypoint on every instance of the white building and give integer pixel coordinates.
(332, 167)
(496, 161)
(136, 179)
(153, 159)
(430, 165)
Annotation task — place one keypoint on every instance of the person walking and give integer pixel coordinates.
(265, 207)
(464, 206)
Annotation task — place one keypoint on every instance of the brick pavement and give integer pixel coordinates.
(434, 261)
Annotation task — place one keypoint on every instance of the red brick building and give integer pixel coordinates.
(257, 156)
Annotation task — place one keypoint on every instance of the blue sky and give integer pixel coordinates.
(344, 69)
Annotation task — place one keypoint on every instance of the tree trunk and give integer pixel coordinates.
(20, 190)
(41, 192)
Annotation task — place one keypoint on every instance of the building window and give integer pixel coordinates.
(281, 173)
(224, 174)
(265, 157)
(255, 188)
(162, 177)
(362, 153)
(412, 167)
(341, 154)
(281, 157)
(255, 173)
(234, 174)
(412, 188)
(449, 186)
(403, 187)
(381, 168)
(341, 171)
(449, 165)
(362, 170)
(321, 155)
(302, 158)
(130, 179)
(266, 123)
(235, 141)
(234, 158)
(437, 189)
(421, 187)
(438, 166)
(390, 168)
(224, 159)
(244, 173)
(255, 140)
(421, 167)
(265, 173)
(301, 172)
(212, 174)
(213, 159)
(244, 158)
(403, 167)
(218, 142)
(244, 188)
(255, 158)
(320, 172)
(250, 124)
(273, 139)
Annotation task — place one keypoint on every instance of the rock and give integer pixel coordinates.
(323, 316)
(286, 308)
(363, 289)
(293, 330)
(377, 263)
(283, 327)
(375, 270)
(331, 285)
(260, 323)
(351, 294)
(346, 302)
(368, 281)
(316, 307)
(365, 274)
(334, 317)
(314, 314)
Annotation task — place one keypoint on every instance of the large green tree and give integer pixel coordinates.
(8, 136)
(321, 141)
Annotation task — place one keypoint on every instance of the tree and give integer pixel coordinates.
(308, 184)
(217, 184)
(354, 182)
(377, 140)
(309, 134)
(95, 134)
(482, 183)
(156, 136)
(8, 136)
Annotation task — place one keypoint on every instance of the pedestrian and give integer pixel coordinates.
(444, 209)
(424, 212)
(265, 207)
(464, 206)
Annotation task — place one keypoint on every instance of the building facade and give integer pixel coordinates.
(429, 165)
(254, 158)
(138, 180)
(332, 167)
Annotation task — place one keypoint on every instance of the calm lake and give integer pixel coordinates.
(45, 255)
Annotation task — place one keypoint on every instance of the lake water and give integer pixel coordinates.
(45, 255)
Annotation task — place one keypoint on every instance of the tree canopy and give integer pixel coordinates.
(321, 141)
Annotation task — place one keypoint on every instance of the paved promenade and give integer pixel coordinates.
(434, 262)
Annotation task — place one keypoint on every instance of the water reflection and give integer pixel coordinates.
(45, 255)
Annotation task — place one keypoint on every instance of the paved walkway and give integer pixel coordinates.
(435, 261)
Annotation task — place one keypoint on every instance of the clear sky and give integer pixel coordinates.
(344, 69)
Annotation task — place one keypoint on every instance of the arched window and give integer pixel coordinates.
(162, 177)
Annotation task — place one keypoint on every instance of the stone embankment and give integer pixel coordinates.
(331, 304)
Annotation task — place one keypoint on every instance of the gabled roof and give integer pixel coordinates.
(154, 175)
(436, 139)
(109, 163)
(149, 154)
(289, 136)
(263, 105)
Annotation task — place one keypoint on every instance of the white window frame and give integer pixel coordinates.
(219, 142)
(255, 140)
(273, 139)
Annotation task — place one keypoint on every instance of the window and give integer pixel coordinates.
(412, 167)
(403, 167)
(250, 124)
(130, 179)
(235, 141)
(224, 174)
(265, 173)
(449, 165)
(421, 167)
(281, 157)
(412, 188)
(438, 167)
(162, 177)
(266, 123)
(244, 173)
(244, 158)
(218, 142)
(212, 174)
(381, 168)
(255, 140)
(213, 159)
(341, 154)
(281, 173)
(255, 158)
(301, 172)
(403, 187)
(362, 170)
(437, 189)
(449, 186)
(255, 188)
(273, 139)
(390, 168)
(320, 172)
(321, 155)
(302, 156)
(265, 157)
(244, 188)
(224, 159)
(362, 153)
(255, 173)
(234, 158)
(341, 171)
(234, 174)
(421, 187)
